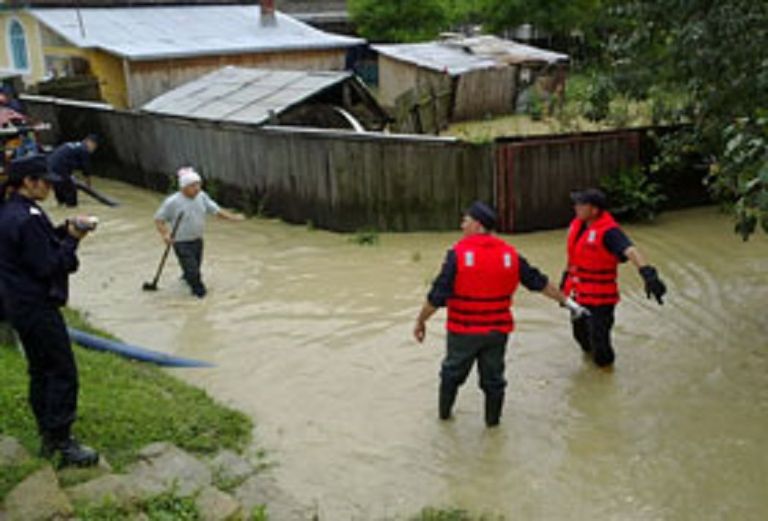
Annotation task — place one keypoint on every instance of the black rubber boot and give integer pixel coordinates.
(447, 399)
(199, 290)
(493, 406)
(69, 452)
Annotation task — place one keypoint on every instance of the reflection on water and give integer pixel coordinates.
(311, 336)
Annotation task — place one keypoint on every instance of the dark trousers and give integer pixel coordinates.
(594, 334)
(461, 353)
(53, 381)
(190, 255)
(66, 191)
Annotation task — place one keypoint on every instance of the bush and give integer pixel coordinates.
(365, 238)
(535, 106)
(632, 196)
(599, 94)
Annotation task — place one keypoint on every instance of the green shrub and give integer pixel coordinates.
(600, 92)
(631, 195)
(365, 238)
(535, 105)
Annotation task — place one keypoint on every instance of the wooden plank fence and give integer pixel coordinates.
(336, 180)
(348, 181)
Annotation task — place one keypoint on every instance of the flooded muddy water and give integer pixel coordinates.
(311, 335)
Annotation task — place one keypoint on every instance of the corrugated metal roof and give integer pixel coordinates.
(506, 51)
(145, 33)
(461, 55)
(436, 56)
(243, 95)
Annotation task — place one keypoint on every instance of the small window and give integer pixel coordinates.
(18, 45)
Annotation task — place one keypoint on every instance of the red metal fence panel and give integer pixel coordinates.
(535, 176)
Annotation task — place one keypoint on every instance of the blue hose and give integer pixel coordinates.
(133, 352)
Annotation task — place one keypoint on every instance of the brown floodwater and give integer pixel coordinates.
(311, 336)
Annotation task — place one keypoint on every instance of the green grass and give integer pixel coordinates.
(167, 506)
(452, 514)
(123, 406)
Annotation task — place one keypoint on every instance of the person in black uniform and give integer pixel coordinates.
(36, 260)
(65, 160)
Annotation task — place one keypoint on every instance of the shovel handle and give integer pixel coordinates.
(167, 248)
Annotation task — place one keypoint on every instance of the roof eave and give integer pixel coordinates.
(224, 52)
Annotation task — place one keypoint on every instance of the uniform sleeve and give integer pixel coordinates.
(617, 242)
(530, 277)
(85, 162)
(442, 287)
(44, 257)
(211, 206)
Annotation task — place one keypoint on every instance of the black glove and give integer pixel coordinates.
(653, 284)
(563, 279)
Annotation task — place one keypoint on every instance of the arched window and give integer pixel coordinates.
(18, 45)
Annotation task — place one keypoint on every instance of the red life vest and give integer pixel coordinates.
(592, 269)
(487, 274)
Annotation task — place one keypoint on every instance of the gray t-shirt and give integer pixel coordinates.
(195, 210)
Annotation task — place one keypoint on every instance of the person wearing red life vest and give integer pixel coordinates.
(479, 277)
(596, 247)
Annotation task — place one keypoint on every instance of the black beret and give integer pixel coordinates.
(483, 214)
(591, 196)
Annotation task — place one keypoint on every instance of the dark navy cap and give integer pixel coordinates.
(591, 196)
(93, 137)
(483, 214)
(34, 166)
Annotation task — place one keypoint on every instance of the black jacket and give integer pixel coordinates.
(35, 258)
(67, 158)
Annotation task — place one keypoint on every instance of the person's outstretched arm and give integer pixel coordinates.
(653, 284)
(229, 216)
(534, 280)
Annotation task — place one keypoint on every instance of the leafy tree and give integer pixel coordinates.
(399, 20)
(715, 54)
(464, 12)
(553, 16)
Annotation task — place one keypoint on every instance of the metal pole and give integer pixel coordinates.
(80, 22)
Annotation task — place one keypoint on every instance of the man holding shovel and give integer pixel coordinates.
(186, 211)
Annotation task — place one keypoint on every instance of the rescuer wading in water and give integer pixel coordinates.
(596, 246)
(479, 276)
